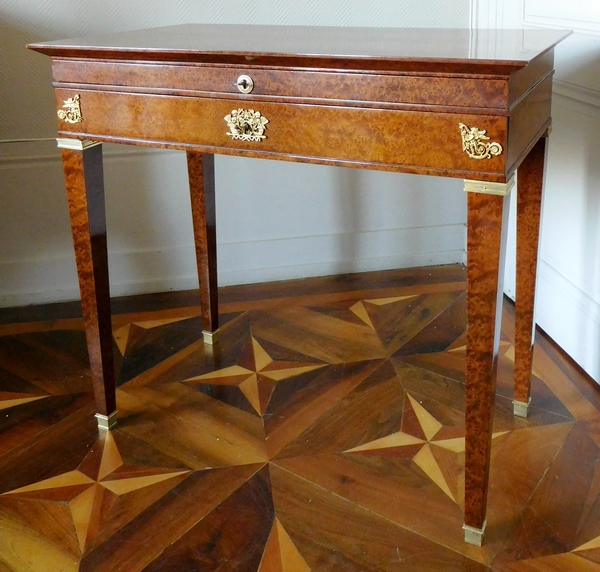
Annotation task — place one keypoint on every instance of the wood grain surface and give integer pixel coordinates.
(529, 207)
(486, 241)
(333, 87)
(201, 175)
(424, 141)
(84, 179)
(410, 49)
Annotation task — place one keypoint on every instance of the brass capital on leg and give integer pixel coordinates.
(75, 144)
(486, 188)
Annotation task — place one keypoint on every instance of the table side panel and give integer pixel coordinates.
(525, 79)
(527, 120)
(362, 135)
(338, 86)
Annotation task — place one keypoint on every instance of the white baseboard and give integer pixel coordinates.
(55, 279)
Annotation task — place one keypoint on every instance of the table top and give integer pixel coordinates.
(273, 45)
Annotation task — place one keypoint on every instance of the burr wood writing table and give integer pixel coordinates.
(473, 104)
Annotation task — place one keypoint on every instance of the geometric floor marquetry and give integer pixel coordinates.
(324, 431)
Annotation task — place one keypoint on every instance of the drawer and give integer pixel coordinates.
(383, 138)
(339, 87)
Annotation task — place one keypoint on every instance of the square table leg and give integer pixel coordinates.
(84, 178)
(487, 222)
(201, 173)
(529, 206)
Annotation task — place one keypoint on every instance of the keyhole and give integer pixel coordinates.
(245, 84)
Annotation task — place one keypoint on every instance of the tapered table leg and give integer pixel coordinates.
(529, 205)
(486, 240)
(201, 172)
(82, 163)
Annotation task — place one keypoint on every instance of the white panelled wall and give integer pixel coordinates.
(568, 293)
(280, 220)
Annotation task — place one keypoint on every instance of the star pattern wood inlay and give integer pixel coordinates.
(97, 491)
(256, 375)
(425, 440)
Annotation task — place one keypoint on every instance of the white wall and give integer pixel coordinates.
(276, 220)
(568, 295)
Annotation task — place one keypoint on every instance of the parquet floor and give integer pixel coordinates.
(324, 432)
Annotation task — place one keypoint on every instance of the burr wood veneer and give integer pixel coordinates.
(472, 104)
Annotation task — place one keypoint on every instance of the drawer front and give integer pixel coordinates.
(338, 86)
(384, 138)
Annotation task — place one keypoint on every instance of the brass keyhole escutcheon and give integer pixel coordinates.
(246, 125)
(245, 83)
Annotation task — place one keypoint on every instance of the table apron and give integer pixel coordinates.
(371, 136)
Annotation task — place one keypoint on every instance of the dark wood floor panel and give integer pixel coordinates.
(331, 533)
(231, 537)
(143, 344)
(162, 525)
(324, 431)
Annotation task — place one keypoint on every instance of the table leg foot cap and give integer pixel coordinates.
(474, 535)
(107, 422)
(521, 409)
(210, 338)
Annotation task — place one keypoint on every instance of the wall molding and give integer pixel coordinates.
(577, 92)
(484, 14)
(576, 97)
(570, 317)
(496, 13)
(536, 14)
(582, 18)
(44, 151)
(571, 292)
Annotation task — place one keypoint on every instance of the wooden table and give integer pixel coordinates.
(472, 104)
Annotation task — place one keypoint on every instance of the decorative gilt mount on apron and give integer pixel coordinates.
(71, 112)
(473, 143)
(246, 125)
